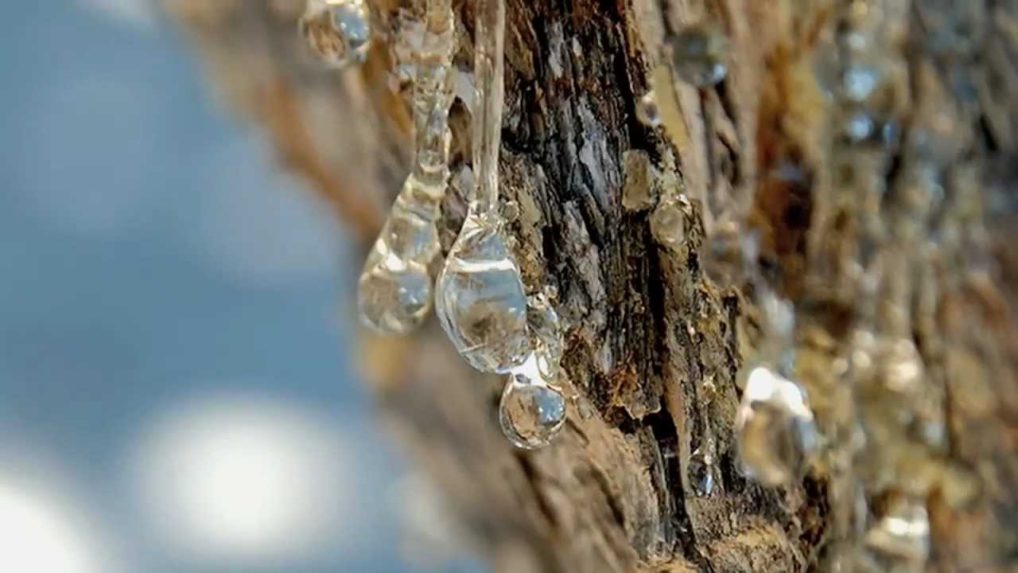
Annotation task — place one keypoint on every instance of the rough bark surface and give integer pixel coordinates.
(653, 347)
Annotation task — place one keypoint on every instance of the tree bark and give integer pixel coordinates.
(654, 348)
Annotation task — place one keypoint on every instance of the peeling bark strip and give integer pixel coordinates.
(653, 347)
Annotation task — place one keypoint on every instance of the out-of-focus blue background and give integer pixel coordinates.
(176, 392)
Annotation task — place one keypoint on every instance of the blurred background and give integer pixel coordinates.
(176, 386)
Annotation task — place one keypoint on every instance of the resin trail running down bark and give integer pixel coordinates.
(395, 288)
(481, 301)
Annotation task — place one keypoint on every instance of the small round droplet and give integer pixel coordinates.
(776, 431)
(532, 411)
(699, 53)
(338, 32)
(701, 472)
(511, 211)
(647, 110)
(668, 222)
(860, 80)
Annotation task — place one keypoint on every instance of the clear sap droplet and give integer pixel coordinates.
(727, 253)
(668, 222)
(699, 53)
(902, 366)
(776, 431)
(338, 32)
(546, 327)
(701, 472)
(860, 80)
(900, 539)
(647, 110)
(532, 411)
(481, 302)
(511, 211)
(394, 292)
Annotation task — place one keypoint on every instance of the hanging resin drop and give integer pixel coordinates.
(668, 221)
(480, 300)
(395, 288)
(776, 431)
(546, 328)
(338, 32)
(647, 110)
(532, 411)
(394, 291)
(701, 472)
(900, 539)
(699, 53)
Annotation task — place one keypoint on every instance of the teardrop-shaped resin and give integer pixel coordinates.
(699, 52)
(480, 299)
(900, 539)
(394, 293)
(338, 32)
(532, 410)
(701, 473)
(777, 434)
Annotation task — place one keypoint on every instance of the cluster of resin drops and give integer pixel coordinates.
(479, 295)
(484, 306)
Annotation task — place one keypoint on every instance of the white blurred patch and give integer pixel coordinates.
(138, 14)
(431, 537)
(259, 227)
(245, 480)
(38, 535)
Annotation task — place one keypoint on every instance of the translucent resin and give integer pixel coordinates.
(395, 289)
(701, 472)
(900, 539)
(338, 32)
(647, 110)
(776, 431)
(394, 292)
(532, 411)
(699, 53)
(481, 300)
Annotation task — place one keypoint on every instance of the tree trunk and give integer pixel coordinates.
(654, 347)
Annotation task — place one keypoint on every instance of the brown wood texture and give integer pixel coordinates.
(653, 347)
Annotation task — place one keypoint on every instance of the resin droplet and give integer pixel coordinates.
(647, 110)
(337, 31)
(394, 292)
(776, 431)
(900, 540)
(668, 222)
(728, 253)
(902, 366)
(860, 81)
(546, 327)
(699, 52)
(532, 411)
(481, 302)
(701, 472)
